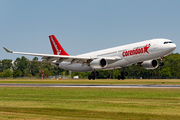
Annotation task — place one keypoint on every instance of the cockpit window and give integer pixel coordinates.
(168, 42)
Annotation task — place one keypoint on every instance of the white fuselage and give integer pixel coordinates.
(129, 54)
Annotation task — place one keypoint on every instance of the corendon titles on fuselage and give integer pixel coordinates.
(136, 51)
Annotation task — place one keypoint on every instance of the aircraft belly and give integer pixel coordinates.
(118, 64)
(77, 67)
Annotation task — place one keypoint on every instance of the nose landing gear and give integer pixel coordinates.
(161, 61)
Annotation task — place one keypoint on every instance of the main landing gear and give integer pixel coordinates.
(123, 74)
(93, 75)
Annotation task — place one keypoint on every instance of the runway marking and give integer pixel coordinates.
(90, 85)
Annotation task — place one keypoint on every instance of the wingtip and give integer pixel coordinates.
(7, 50)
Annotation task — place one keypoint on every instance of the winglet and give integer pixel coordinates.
(7, 50)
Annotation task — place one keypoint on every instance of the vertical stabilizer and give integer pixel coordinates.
(57, 48)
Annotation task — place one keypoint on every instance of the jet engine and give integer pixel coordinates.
(150, 64)
(99, 63)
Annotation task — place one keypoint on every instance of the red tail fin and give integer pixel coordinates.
(57, 48)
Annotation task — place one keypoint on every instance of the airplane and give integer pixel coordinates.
(144, 53)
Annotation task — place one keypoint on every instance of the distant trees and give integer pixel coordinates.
(20, 64)
(22, 67)
(17, 73)
(5, 64)
(7, 73)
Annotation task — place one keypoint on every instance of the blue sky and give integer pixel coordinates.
(83, 26)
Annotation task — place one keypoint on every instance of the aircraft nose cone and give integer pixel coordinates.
(173, 47)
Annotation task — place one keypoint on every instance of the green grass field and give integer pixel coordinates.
(97, 81)
(89, 103)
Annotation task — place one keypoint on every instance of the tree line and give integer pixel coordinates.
(22, 67)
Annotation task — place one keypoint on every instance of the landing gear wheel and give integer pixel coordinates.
(122, 77)
(126, 73)
(93, 77)
(89, 77)
(93, 73)
(119, 77)
(97, 73)
(162, 64)
(122, 73)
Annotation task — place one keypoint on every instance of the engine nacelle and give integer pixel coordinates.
(150, 64)
(98, 63)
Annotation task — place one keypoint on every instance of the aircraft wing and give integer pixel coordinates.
(60, 58)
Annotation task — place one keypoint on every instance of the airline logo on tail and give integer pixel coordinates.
(57, 48)
(58, 51)
(136, 51)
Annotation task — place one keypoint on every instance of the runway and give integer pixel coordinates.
(91, 85)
